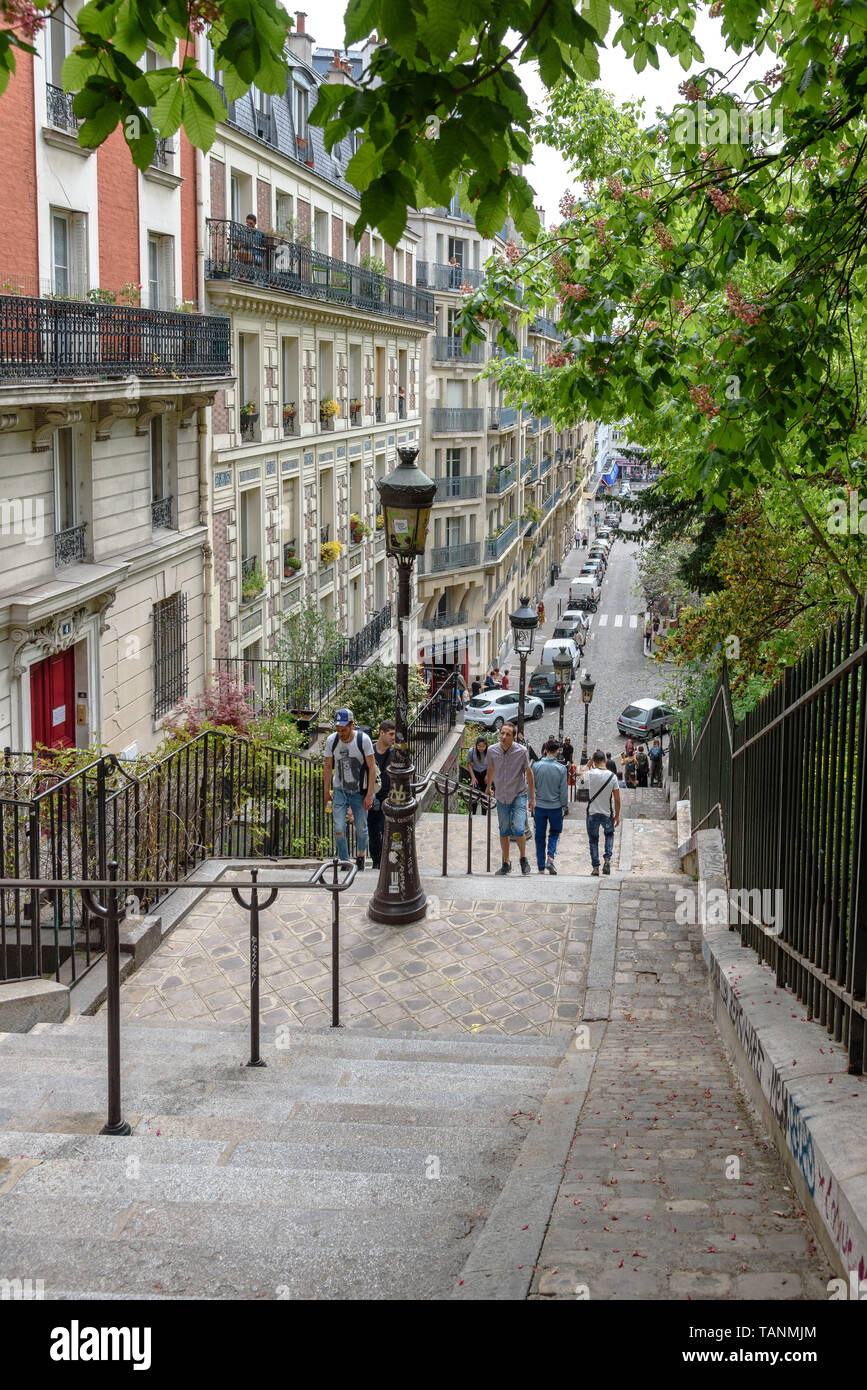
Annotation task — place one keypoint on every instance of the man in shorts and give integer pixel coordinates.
(510, 773)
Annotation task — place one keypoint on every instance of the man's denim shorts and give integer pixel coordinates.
(512, 816)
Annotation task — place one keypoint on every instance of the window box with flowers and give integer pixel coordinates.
(252, 585)
(291, 565)
(249, 414)
(329, 551)
(380, 521)
(358, 529)
(355, 411)
(328, 409)
(290, 417)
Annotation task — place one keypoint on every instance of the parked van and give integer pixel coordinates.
(586, 587)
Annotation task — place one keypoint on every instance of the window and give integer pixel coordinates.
(60, 239)
(56, 48)
(65, 501)
(453, 462)
(161, 272)
(320, 231)
(235, 197)
(286, 215)
(159, 471)
(300, 113)
(170, 653)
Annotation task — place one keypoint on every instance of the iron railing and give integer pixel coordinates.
(456, 419)
(451, 349)
(69, 545)
(788, 789)
(237, 253)
(448, 557)
(290, 421)
(441, 620)
(460, 487)
(51, 338)
(502, 417)
(498, 545)
(161, 513)
(164, 156)
(430, 727)
(500, 480)
(59, 109)
(446, 277)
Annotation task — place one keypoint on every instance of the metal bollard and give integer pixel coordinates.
(115, 1124)
(253, 908)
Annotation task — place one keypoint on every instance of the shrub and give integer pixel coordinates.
(224, 703)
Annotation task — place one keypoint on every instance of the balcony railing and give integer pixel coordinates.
(290, 420)
(545, 326)
(546, 422)
(54, 338)
(59, 109)
(401, 407)
(378, 412)
(462, 487)
(247, 422)
(544, 465)
(451, 349)
(69, 545)
(498, 546)
(324, 532)
(236, 253)
(446, 419)
(446, 277)
(164, 156)
(161, 513)
(500, 480)
(326, 422)
(526, 465)
(441, 620)
(450, 557)
(355, 413)
(532, 425)
(502, 417)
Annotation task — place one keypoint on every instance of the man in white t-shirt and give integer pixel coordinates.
(351, 767)
(603, 809)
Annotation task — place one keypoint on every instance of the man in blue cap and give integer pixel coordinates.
(349, 761)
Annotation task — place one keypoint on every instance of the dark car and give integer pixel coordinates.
(543, 684)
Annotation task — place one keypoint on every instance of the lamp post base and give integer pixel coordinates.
(399, 898)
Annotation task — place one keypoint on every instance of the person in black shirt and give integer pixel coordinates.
(611, 765)
(382, 751)
(567, 752)
(476, 686)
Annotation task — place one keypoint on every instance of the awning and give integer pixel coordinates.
(611, 477)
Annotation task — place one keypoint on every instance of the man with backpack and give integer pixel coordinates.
(630, 771)
(656, 763)
(349, 761)
(382, 751)
(642, 765)
(603, 810)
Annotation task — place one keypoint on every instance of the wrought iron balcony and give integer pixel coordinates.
(324, 532)
(378, 412)
(498, 545)
(401, 407)
(446, 277)
(161, 513)
(502, 417)
(355, 413)
(462, 487)
(545, 326)
(497, 594)
(450, 557)
(248, 566)
(441, 620)
(164, 156)
(55, 338)
(59, 109)
(451, 349)
(526, 465)
(247, 422)
(290, 419)
(69, 545)
(546, 422)
(544, 465)
(446, 419)
(252, 257)
(500, 480)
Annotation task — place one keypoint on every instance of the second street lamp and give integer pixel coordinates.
(563, 671)
(524, 622)
(588, 685)
(407, 496)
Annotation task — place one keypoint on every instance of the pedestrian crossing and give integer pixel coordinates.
(602, 619)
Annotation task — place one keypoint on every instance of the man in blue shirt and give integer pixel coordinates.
(552, 799)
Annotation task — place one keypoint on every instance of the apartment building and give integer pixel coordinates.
(508, 487)
(327, 337)
(105, 384)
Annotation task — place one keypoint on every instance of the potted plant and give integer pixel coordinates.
(290, 565)
(380, 521)
(328, 408)
(252, 585)
(249, 416)
(289, 411)
(354, 409)
(329, 551)
(358, 528)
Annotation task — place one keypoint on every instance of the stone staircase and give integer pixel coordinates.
(356, 1165)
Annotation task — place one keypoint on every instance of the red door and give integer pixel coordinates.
(52, 701)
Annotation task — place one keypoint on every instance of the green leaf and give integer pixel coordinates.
(199, 122)
(78, 66)
(143, 146)
(207, 92)
(98, 126)
(436, 29)
(130, 37)
(233, 85)
(168, 112)
(599, 15)
(98, 17)
(365, 165)
(360, 19)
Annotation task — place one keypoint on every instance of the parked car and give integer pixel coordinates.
(599, 548)
(543, 684)
(571, 629)
(493, 710)
(646, 718)
(552, 649)
(595, 568)
(572, 614)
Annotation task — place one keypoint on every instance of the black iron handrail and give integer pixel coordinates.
(474, 797)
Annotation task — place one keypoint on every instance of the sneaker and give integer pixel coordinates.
(595, 872)
(503, 870)
(525, 866)
(550, 867)
(359, 863)
(606, 866)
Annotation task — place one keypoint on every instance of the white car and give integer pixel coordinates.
(570, 613)
(494, 708)
(586, 587)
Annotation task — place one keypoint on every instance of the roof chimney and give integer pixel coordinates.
(340, 71)
(299, 41)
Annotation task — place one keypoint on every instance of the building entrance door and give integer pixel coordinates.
(52, 701)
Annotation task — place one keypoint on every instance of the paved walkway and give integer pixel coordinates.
(671, 1190)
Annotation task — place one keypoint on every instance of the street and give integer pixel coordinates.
(614, 654)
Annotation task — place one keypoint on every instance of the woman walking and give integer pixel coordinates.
(477, 762)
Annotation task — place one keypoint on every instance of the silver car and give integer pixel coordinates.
(646, 718)
(497, 707)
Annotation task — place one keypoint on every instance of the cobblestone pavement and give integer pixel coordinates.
(671, 1191)
(479, 966)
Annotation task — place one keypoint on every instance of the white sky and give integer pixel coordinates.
(548, 174)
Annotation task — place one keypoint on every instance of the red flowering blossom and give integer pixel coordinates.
(701, 396)
(23, 16)
(740, 307)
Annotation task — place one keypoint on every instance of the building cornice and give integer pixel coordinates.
(235, 299)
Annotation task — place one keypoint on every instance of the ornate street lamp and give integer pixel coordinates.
(563, 670)
(588, 685)
(524, 622)
(406, 497)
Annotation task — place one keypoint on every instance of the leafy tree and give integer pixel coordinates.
(372, 693)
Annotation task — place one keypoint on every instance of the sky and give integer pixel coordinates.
(549, 174)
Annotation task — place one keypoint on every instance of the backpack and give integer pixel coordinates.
(641, 758)
(631, 773)
(359, 740)
(655, 753)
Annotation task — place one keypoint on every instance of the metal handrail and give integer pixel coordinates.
(456, 787)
